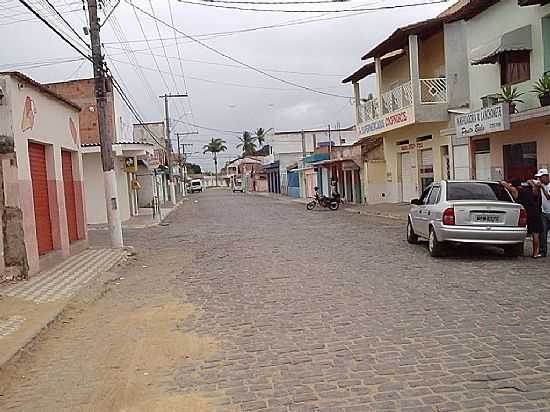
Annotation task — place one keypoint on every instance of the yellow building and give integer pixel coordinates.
(411, 106)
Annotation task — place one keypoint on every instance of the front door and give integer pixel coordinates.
(408, 186)
(70, 198)
(483, 166)
(41, 199)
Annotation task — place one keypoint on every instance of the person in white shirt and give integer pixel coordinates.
(544, 184)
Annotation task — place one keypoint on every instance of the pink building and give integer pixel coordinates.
(42, 174)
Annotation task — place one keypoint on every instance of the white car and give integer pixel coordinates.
(467, 212)
(195, 185)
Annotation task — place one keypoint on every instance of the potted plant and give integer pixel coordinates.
(542, 89)
(510, 95)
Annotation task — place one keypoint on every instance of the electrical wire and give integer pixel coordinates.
(55, 30)
(236, 60)
(236, 65)
(246, 86)
(276, 2)
(49, 3)
(397, 6)
(182, 71)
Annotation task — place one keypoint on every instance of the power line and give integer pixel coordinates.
(206, 127)
(245, 86)
(180, 59)
(136, 114)
(56, 31)
(238, 66)
(396, 6)
(276, 2)
(32, 18)
(236, 60)
(66, 23)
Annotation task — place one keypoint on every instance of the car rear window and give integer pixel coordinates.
(196, 183)
(477, 191)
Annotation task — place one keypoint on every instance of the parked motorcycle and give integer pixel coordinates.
(333, 203)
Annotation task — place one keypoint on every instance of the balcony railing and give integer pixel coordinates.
(433, 91)
(397, 98)
(369, 110)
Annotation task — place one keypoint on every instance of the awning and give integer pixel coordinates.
(347, 164)
(516, 40)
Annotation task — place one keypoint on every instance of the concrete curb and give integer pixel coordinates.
(11, 356)
(376, 214)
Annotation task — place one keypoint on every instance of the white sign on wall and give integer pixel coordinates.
(487, 120)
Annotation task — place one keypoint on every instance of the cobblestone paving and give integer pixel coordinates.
(322, 311)
(311, 311)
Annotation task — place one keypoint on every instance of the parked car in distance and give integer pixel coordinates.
(237, 186)
(195, 185)
(467, 212)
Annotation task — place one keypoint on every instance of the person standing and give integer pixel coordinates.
(544, 186)
(333, 186)
(529, 197)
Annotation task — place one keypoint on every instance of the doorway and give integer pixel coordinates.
(408, 186)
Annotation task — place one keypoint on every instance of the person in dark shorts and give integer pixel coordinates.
(529, 197)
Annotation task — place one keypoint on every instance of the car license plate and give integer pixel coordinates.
(486, 218)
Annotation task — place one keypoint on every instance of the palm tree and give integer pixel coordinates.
(215, 146)
(260, 136)
(247, 143)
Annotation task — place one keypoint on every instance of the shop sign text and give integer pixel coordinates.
(487, 120)
(388, 122)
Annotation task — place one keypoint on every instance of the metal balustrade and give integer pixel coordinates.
(433, 91)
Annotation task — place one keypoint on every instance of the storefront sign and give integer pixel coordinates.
(488, 120)
(388, 122)
(130, 164)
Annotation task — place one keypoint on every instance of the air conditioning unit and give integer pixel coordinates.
(490, 100)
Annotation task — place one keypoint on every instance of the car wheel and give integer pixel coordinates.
(412, 237)
(514, 251)
(435, 247)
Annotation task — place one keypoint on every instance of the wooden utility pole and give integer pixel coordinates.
(105, 138)
(169, 142)
(182, 158)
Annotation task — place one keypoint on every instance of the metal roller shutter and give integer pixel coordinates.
(39, 177)
(70, 198)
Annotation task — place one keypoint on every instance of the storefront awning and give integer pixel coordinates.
(516, 40)
(347, 164)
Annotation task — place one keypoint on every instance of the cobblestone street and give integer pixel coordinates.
(243, 303)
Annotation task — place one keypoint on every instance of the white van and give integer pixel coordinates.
(195, 185)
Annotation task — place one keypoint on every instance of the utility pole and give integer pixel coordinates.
(183, 165)
(169, 142)
(105, 138)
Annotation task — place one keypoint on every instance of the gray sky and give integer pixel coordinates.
(222, 96)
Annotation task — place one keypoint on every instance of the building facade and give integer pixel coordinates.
(120, 129)
(43, 197)
(410, 108)
(507, 45)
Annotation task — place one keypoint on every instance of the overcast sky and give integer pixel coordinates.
(221, 96)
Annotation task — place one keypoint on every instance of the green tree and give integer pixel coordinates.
(260, 136)
(247, 143)
(193, 169)
(215, 146)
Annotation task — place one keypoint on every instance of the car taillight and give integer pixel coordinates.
(522, 222)
(449, 216)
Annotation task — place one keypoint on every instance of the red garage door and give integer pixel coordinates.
(39, 177)
(70, 199)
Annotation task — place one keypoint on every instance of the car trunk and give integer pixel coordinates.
(485, 213)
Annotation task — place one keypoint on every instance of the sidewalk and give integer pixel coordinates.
(28, 307)
(145, 218)
(398, 211)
